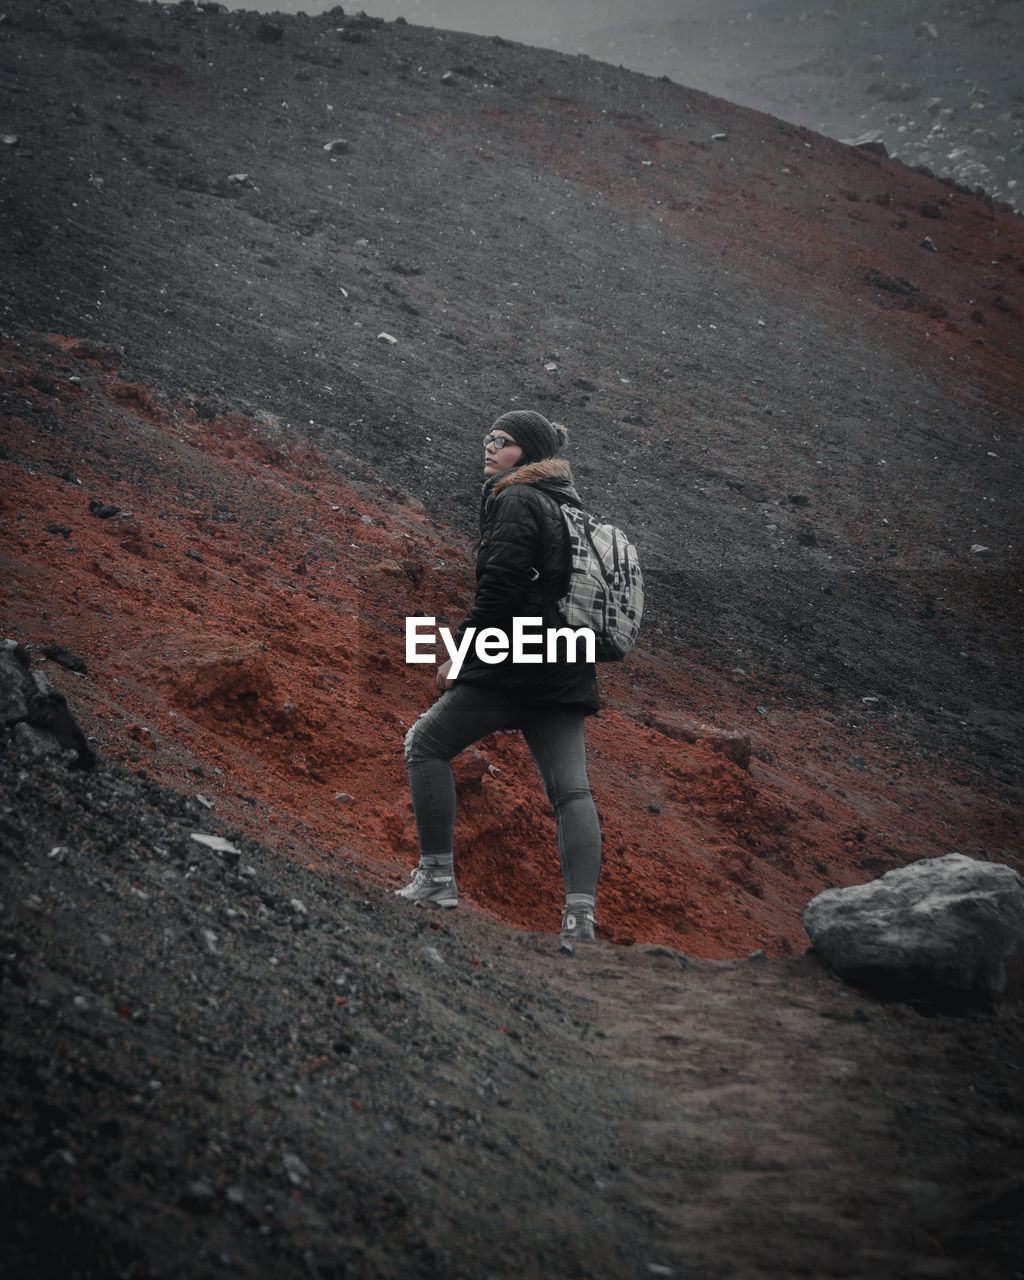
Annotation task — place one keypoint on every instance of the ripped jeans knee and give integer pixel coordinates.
(410, 739)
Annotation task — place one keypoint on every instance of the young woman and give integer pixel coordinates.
(521, 569)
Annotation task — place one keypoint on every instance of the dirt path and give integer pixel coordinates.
(795, 1127)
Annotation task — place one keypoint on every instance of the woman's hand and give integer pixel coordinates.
(442, 675)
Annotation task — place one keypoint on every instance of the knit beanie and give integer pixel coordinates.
(537, 437)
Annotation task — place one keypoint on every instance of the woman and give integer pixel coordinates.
(521, 569)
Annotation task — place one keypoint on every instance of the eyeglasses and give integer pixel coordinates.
(499, 442)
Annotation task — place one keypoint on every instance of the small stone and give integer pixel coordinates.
(870, 142)
(65, 658)
(198, 1197)
(217, 843)
(296, 1169)
(659, 956)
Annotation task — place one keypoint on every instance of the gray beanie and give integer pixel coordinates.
(537, 437)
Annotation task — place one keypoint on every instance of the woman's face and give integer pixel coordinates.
(500, 452)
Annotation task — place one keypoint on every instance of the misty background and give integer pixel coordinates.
(938, 83)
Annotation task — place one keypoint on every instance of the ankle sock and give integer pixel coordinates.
(437, 861)
(573, 901)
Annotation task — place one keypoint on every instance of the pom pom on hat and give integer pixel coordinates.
(532, 432)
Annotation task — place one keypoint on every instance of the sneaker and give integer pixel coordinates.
(577, 926)
(433, 886)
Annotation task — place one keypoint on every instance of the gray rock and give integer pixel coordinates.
(33, 743)
(872, 142)
(36, 714)
(198, 1197)
(296, 1168)
(944, 932)
(14, 684)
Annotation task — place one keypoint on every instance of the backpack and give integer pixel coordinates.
(606, 588)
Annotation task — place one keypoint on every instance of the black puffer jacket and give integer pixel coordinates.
(521, 569)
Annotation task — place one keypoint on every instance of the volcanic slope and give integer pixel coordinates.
(791, 369)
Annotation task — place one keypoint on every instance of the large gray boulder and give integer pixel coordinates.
(945, 932)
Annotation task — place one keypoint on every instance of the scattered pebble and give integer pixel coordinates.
(296, 1169)
(217, 843)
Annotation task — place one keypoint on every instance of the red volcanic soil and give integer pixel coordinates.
(792, 370)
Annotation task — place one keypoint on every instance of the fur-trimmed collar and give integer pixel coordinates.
(534, 473)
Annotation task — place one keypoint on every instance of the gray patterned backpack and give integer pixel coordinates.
(606, 588)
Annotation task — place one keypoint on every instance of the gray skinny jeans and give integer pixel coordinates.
(466, 713)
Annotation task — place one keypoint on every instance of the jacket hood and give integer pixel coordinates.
(550, 474)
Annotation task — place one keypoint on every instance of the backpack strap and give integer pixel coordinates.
(551, 596)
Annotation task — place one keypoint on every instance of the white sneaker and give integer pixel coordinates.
(428, 884)
(577, 926)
